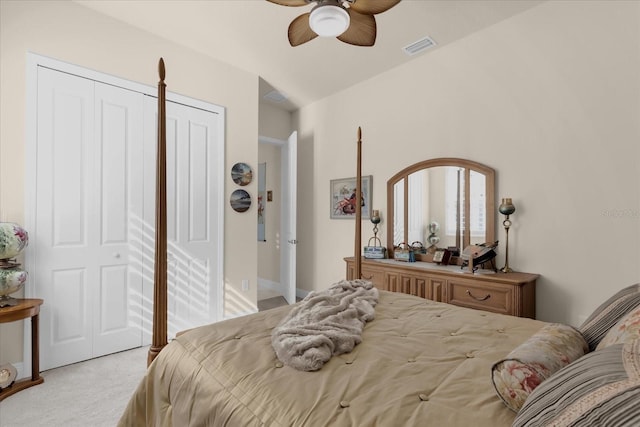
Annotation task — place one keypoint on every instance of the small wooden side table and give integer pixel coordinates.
(26, 308)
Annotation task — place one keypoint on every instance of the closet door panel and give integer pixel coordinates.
(88, 218)
(118, 143)
(65, 217)
(193, 176)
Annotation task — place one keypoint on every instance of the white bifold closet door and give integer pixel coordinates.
(94, 237)
(194, 214)
(89, 202)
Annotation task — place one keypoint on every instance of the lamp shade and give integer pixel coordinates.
(329, 20)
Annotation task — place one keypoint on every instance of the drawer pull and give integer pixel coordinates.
(367, 278)
(486, 297)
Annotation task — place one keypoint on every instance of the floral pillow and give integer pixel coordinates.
(600, 389)
(528, 365)
(627, 329)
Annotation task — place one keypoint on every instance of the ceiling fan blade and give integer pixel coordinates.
(300, 31)
(372, 7)
(361, 31)
(290, 2)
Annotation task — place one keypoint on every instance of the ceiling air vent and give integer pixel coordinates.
(418, 46)
(275, 96)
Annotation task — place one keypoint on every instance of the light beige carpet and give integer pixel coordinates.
(92, 393)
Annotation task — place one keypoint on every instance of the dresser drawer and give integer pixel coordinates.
(376, 276)
(483, 296)
(505, 293)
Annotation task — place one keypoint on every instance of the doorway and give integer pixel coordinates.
(277, 244)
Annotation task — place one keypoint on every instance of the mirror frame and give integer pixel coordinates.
(468, 165)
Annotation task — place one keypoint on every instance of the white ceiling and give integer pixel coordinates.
(252, 35)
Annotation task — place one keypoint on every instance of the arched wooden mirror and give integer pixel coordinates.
(456, 194)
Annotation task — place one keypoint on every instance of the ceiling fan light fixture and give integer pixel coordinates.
(329, 20)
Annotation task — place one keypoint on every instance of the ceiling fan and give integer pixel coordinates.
(351, 21)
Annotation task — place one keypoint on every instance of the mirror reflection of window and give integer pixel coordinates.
(454, 197)
(418, 202)
(398, 214)
(477, 214)
(455, 187)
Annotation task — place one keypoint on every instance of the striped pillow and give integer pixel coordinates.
(609, 313)
(601, 388)
(627, 329)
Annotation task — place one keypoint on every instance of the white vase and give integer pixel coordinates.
(13, 239)
(11, 280)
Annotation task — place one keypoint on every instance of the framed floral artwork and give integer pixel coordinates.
(342, 194)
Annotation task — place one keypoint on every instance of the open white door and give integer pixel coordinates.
(289, 209)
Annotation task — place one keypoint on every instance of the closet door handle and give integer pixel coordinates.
(486, 297)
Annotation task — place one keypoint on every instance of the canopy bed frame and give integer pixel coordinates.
(159, 327)
(419, 362)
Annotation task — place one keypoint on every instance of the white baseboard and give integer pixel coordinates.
(270, 285)
(279, 288)
(20, 370)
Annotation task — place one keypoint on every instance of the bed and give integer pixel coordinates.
(419, 362)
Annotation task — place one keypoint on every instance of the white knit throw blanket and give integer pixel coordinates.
(324, 324)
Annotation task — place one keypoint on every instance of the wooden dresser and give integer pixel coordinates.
(505, 293)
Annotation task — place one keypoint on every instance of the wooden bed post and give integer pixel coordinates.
(159, 339)
(358, 243)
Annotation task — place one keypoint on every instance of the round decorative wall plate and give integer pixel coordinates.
(240, 200)
(241, 174)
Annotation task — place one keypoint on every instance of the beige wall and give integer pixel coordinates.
(274, 122)
(550, 99)
(72, 33)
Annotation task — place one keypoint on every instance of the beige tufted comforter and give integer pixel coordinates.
(420, 363)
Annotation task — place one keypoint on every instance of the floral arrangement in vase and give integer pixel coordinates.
(13, 240)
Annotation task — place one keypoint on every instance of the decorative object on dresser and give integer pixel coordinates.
(377, 251)
(404, 252)
(441, 256)
(506, 208)
(13, 240)
(433, 238)
(479, 255)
